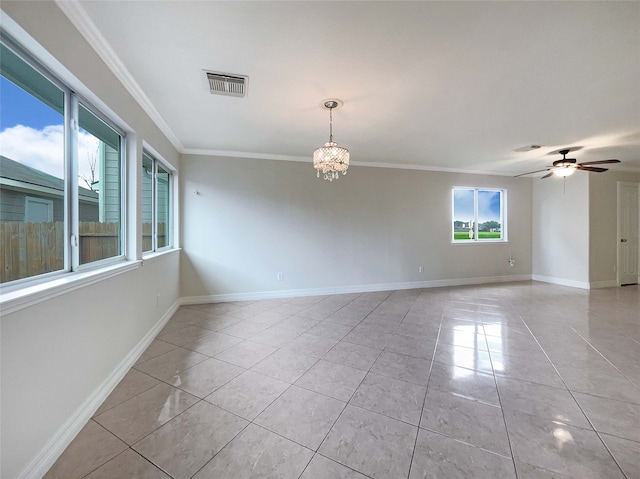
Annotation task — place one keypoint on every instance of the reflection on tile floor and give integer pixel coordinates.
(522, 380)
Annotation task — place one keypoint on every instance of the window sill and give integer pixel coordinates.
(481, 242)
(24, 297)
(152, 257)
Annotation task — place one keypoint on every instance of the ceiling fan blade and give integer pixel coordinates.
(601, 162)
(547, 175)
(532, 172)
(591, 168)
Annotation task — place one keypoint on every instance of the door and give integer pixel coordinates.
(627, 233)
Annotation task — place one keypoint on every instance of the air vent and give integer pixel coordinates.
(225, 84)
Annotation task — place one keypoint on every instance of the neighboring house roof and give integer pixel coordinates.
(27, 178)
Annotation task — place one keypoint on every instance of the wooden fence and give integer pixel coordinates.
(30, 249)
(147, 234)
(98, 241)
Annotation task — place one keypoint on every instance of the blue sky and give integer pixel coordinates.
(19, 108)
(488, 205)
(32, 133)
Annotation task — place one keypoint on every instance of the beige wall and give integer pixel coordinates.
(603, 224)
(560, 227)
(55, 354)
(574, 231)
(254, 218)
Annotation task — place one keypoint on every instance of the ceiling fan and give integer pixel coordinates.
(567, 166)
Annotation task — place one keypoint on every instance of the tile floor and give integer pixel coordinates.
(525, 380)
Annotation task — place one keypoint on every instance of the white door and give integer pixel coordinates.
(627, 233)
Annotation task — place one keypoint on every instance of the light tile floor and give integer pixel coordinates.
(525, 380)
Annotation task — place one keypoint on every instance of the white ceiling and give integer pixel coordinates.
(434, 85)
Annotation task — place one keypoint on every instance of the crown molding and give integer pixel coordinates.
(246, 154)
(305, 159)
(409, 166)
(78, 16)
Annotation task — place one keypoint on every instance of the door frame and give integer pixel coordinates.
(618, 238)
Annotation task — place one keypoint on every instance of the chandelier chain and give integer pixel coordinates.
(330, 125)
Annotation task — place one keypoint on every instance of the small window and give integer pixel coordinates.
(163, 207)
(38, 210)
(478, 215)
(156, 204)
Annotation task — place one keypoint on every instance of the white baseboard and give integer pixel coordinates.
(48, 455)
(612, 283)
(364, 288)
(561, 281)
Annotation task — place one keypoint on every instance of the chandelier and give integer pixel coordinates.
(331, 159)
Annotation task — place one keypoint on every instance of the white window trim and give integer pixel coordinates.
(157, 159)
(47, 286)
(75, 93)
(26, 292)
(503, 216)
(76, 266)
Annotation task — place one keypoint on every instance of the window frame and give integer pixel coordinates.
(156, 161)
(72, 102)
(503, 216)
(77, 266)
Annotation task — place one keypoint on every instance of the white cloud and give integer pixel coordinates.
(40, 149)
(44, 149)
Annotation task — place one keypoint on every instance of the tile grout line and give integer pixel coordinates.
(571, 392)
(348, 402)
(603, 356)
(230, 412)
(424, 401)
(504, 419)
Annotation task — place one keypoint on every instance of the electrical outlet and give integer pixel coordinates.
(280, 276)
(157, 301)
(420, 269)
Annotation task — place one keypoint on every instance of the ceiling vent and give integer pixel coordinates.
(226, 84)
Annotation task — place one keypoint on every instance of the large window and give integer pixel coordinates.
(156, 204)
(61, 175)
(479, 215)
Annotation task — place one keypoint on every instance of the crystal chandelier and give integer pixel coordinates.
(331, 158)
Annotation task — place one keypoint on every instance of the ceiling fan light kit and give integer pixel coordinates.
(568, 166)
(564, 171)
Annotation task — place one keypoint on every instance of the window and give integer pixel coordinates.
(38, 210)
(61, 186)
(100, 200)
(156, 204)
(479, 215)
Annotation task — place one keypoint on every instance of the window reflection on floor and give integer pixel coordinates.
(470, 351)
